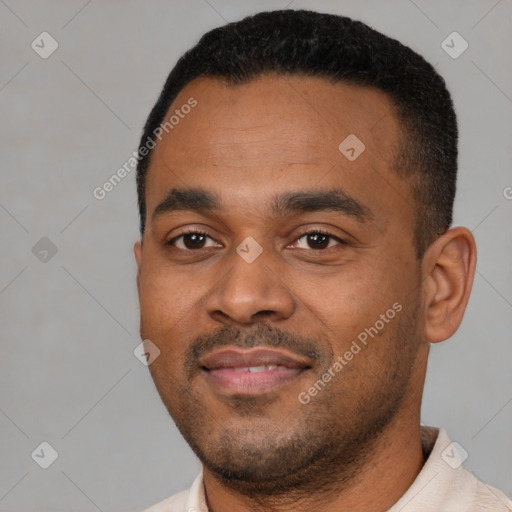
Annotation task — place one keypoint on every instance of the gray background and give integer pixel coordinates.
(70, 324)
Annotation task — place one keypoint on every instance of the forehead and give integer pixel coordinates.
(277, 132)
(303, 112)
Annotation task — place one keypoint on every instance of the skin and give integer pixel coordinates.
(356, 444)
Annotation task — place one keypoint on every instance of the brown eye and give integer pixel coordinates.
(317, 240)
(189, 241)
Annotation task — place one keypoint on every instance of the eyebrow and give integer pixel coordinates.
(300, 201)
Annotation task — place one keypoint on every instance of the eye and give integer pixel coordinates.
(192, 240)
(195, 240)
(317, 240)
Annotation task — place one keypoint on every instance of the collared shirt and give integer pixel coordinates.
(442, 485)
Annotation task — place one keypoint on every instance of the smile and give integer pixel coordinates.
(250, 372)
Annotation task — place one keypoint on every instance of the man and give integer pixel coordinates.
(296, 182)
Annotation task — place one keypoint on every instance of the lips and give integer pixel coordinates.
(233, 358)
(253, 371)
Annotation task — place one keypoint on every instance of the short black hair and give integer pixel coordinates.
(338, 49)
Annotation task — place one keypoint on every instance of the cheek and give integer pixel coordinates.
(163, 318)
(351, 301)
(172, 306)
(348, 292)
(165, 294)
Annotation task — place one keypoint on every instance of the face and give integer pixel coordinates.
(278, 276)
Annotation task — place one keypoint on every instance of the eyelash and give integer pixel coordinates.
(311, 232)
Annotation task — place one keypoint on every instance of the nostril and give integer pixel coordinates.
(266, 312)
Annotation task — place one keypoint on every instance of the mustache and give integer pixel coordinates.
(264, 335)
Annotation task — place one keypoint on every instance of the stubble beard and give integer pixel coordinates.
(322, 447)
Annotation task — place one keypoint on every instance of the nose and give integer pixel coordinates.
(250, 292)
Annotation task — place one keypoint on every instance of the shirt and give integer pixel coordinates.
(442, 485)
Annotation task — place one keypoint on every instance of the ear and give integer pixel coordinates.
(449, 268)
(137, 251)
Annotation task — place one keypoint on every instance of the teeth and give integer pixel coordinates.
(255, 369)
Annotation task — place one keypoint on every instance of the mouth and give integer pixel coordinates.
(251, 372)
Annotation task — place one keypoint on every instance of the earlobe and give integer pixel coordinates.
(137, 251)
(452, 260)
